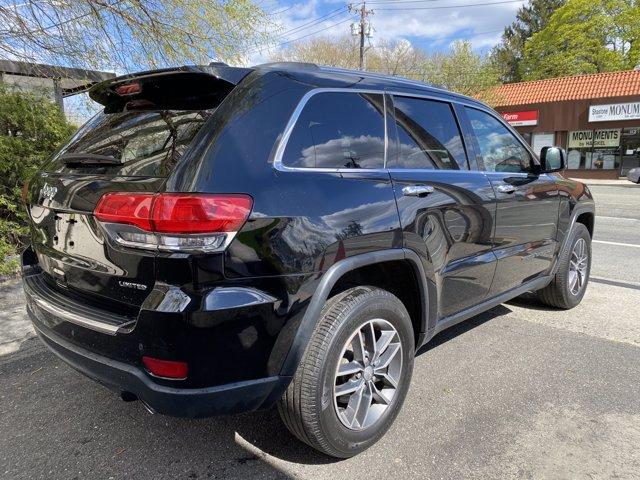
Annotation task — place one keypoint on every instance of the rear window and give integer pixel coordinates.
(134, 143)
(338, 130)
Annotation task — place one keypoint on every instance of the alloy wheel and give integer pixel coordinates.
(578, 267)
(368, 374)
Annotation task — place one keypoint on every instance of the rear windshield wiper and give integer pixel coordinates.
(89, 159)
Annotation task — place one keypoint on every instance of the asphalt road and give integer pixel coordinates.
(521, 391)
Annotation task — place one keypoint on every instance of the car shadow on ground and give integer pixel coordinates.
(75, 422)
(527, 300)
(463, 327)
(530, 301)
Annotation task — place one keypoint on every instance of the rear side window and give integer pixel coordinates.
(338, 130)
(500, 149)
(146, 143)
(428, 135)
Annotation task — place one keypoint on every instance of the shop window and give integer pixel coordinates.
(594, 149)
(630, 149)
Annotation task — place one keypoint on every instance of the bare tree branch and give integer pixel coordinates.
(129, 34)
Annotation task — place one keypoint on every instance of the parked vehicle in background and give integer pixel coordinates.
(223, 239)
(634, 175)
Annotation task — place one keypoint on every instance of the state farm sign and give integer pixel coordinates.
(614, 111)
(521, 119)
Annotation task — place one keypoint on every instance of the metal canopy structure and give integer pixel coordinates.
(66, 81)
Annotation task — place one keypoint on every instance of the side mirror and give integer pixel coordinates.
(552, 159)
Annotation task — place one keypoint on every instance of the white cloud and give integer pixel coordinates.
(435, 25)
(435, 28)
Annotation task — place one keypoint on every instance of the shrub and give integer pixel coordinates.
(31, 129)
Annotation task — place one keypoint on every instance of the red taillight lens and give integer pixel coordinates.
(175, 212)
(176, 222)
(166, 368)
(185, 213)
(128, 89)
(128, 208)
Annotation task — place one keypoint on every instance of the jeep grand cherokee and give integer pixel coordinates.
(219, 240)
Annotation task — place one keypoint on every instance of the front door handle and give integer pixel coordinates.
(506, 188)
(417, 190)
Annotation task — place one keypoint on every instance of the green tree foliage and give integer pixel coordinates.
(31, 129)
(462, 70)
(337, 52)
(585, 36)
(530, 19)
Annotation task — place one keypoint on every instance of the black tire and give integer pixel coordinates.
(558, 293)
(307, 407)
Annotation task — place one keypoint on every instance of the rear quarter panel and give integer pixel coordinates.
(302, 222)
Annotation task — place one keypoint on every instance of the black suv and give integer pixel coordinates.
(221, 239)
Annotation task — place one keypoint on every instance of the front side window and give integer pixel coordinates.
(338, 130)
(500, 149)
(428, 135)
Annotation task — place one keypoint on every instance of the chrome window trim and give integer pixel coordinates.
(458, 124)
(284, 139)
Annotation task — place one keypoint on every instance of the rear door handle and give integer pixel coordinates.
(506, 188)
(417, 190)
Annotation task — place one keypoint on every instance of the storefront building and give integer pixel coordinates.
(596, 118)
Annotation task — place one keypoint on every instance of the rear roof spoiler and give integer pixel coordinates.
(161, 92)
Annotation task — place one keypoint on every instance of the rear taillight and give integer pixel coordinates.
(173, 221)
(128, 208)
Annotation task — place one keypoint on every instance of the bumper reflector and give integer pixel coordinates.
(166, 368)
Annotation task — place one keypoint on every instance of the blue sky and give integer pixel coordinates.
(430, 24)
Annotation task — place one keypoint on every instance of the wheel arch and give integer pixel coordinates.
(583, 214)
(332, 277)
(587, 218)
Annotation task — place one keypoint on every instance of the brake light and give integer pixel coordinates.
(200, 213)
(173, 221)
(132, 209)
(128, 89)
(166, 368)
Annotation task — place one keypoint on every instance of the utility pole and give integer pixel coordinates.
(363, 28)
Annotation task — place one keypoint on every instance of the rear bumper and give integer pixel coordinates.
(201, 402)
(108, 347)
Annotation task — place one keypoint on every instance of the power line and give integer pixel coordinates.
(401, 1)
(326, 16)
(340, 11)
(442, 7)
(266, 45)
(281, 11)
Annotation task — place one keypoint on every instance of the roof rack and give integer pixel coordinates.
(361, 73)
(289, 65)
(384, 76)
